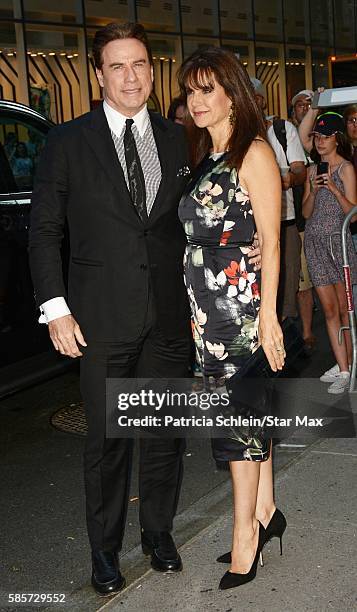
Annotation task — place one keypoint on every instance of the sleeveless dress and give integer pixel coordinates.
(222, 286)
(322, 239)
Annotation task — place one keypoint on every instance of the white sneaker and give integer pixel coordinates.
(332, 374)
(341, 384)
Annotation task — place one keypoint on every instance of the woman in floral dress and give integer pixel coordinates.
(235, 189)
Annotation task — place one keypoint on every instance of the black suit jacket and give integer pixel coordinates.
(114, 256)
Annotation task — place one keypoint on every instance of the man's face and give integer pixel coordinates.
(261, 101)
(126, 75)
(301, 107)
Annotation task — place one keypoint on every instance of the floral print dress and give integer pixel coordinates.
(222, 286)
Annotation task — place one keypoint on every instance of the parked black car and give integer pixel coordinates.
(25, 351)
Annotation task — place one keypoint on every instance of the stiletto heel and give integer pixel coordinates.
(231, 579)
(261, 559)
(275, 529)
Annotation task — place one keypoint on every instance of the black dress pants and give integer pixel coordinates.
(107, 462)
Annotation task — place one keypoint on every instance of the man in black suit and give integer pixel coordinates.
(116, 175)
(126, 311)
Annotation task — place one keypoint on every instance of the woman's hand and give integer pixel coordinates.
(326, 181)
(316, 182)
(272, 340)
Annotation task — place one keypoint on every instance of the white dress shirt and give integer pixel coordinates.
(57, 307)
(294, 153)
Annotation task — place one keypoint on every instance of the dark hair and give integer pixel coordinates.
(229, 72)
(20, 144)
(343, 148)
(118, 31)
(349, 110)
(175, 103)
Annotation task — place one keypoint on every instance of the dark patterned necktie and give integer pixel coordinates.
(135, 172)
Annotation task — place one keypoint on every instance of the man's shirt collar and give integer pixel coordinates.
(116, 120)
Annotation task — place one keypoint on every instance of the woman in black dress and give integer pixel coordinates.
(235, 189)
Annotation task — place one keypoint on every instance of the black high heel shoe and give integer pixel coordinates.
(231, 579)
(274, 529)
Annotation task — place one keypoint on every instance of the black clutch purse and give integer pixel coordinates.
(250, 389)
(258, 365)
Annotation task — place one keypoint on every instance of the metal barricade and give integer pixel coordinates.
(349, 293)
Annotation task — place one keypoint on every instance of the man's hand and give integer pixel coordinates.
(65, 333)
(286, 181)
(254, 255)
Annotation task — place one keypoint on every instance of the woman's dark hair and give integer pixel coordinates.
(197, 72)
(118, 31)
(18, 146)
(343, 148)
(175, 103)
(349, 110)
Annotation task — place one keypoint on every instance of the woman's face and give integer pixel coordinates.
(351, 127)
(209, 105)
(325, 145)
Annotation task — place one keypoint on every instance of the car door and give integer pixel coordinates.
(22, 138)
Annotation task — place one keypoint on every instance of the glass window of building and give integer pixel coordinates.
(158, 15)
(296, 21)
(57, 70)
(191, 44)
(321, 22)
(320, 73)
(268, 20)
(345, 26)
(105, 11)
(267, 71)
(66, 11)
(236, 18)
(13, 67)
(9, 75)
(245, 52)
(200, 17)
(295, 71)
(166, 51)
(7, 10)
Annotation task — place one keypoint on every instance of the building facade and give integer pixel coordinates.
(45, 47)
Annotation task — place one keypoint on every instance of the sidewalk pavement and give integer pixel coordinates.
(317, 572)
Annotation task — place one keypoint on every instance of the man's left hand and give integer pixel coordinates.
(286, 181)
(255, 256)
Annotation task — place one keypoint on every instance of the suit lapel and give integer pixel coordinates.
(164, 139)
(99, 138)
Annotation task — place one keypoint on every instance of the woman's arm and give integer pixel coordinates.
(265, 197)
(310, 191)
(349, 199)
(306, 126)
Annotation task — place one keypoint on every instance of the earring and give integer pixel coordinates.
(232, 115)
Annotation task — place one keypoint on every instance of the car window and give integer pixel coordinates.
(20, 148)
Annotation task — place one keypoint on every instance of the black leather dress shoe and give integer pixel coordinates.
(161, 547)
(106, 576)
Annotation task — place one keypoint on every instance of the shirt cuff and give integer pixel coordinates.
(53, 309)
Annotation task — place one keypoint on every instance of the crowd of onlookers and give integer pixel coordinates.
(315, 200)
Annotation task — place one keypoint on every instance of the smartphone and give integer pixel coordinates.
(322, 168)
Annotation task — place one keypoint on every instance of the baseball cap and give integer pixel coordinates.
(304, 93)
(328, 124)
(259, 87)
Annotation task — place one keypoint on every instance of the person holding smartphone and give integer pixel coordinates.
(330, 193)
